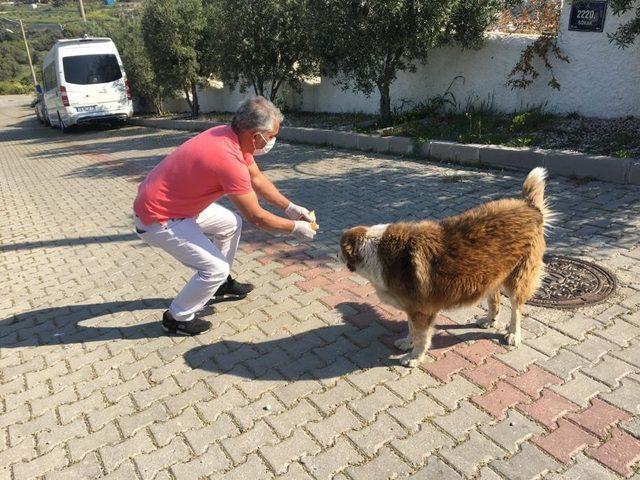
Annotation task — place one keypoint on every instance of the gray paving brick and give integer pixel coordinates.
(577, 326)
(458, 422)
(385, 465)
(626, 397)
(580, 389)
(164, 432)
(248, 442)
(372, 437)
(333, 460)
(520, 358)
(469, 454)
(79, 447)
(212, 409)
(632, 427)
(149, 464)
(418, 446)
(88, 468)
(408, 385)
(214, 460)
(609, 371)
(281, 455)
(584, 468)
(200, 439)
(528, 463)
(55, 459)
(564, 364)
(327, 429)
(454, 392)
(114, 456)
(132, 423)
(285, 422)
(56, 435)
(593, 348)
(435, 468)
(411, 415)
(253, 468)
(620, 332)
(367, 381)
(369, 406)
(247, 415)
(512, 431)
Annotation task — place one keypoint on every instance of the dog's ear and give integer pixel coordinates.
(350, 243)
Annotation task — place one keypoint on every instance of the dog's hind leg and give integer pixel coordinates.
(494, 308)
(422, 330)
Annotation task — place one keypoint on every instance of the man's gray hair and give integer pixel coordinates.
(257, 114)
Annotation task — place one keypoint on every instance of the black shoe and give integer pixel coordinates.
(192, 327)
(231, 290)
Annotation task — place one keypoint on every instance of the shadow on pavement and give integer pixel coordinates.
(60, 325)
(321, 353)
(68, 242)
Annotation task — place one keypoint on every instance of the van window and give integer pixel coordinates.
(89, 69)
(49, 77)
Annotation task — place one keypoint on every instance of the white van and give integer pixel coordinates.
(84, 82)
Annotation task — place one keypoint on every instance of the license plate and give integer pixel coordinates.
(86, 109)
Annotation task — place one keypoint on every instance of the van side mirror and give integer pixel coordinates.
(38, 89)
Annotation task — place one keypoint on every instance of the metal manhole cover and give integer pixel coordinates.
(571, 282)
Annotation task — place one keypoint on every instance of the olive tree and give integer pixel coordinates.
(365, 43)
(258, 44)
(127, 35)
(626, 33)
(172, 31)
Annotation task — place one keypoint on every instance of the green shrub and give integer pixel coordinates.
(11, 87)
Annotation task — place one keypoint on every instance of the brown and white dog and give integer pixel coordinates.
(429, 266)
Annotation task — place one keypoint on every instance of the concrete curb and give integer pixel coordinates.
(558, 162)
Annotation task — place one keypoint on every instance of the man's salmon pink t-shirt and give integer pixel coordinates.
(193, 176)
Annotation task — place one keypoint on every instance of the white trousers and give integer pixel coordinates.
(207, 244)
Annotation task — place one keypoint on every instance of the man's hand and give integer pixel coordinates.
(296, 212)
(302, 230)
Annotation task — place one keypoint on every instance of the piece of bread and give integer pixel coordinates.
(312, 216)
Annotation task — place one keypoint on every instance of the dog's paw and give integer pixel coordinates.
(512, 339)
(486, 322)
(403, 344)
(411, 360)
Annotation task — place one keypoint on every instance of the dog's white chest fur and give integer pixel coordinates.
(371, 267)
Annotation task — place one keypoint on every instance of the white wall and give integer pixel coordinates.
(601, 80)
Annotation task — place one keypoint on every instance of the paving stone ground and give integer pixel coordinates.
(298, 381)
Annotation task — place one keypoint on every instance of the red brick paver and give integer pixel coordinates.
(548, 408)
(500, 399)
(565, 441)
(599, 417)
(619, 453)
(534, 380)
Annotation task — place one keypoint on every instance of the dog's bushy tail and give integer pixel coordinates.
(533, 190)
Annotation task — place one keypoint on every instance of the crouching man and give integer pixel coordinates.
(175, 208)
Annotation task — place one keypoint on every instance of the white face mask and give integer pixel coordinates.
(267, 148)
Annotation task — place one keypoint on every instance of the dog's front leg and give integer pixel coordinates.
(514, 335)
(406, 343)
(422, 330)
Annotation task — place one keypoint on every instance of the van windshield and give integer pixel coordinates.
(90, 69)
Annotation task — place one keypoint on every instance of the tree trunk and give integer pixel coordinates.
(195, 106)
(188, 98)
(385, 100)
